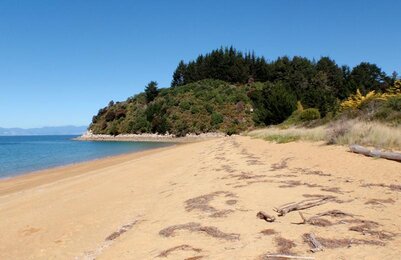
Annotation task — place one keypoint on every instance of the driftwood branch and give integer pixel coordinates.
(331, 213)
(265, 216)
(305, 204)
(289, 256)
(316, 245)
(375, 153)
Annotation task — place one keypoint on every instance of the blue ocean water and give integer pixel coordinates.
(22, 154)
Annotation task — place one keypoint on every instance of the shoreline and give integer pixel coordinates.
(189, 138)
(34, 178)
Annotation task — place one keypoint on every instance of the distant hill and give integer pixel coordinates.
(51, 130)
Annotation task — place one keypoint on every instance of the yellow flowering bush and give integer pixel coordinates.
(357, 100)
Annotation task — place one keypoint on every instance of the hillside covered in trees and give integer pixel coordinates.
(229, 91)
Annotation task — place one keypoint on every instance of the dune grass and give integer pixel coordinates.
(343, 132)
(290, 134)
(374, 134)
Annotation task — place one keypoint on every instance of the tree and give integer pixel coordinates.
(319, 95)
(151, 91)
(179, 74)
(334, 74)
(273, 103)
(368, 77)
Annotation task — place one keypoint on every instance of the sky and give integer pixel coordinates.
(63, 60)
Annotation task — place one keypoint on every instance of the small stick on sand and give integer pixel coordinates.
(317, 246)
(265, 216)
(304, 221)
(291, 257)
(305, 204)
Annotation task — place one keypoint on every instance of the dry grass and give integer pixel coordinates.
(372, 134)
(290, 134)
(341, 132)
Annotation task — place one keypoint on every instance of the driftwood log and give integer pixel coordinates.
(305, 204)
(375, 153)
(265, 216)
(316, 245)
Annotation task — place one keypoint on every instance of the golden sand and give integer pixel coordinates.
(200, 201)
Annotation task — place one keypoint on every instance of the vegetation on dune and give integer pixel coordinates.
(204, 106)
(229, 91)
(384, 107)
(372, 119)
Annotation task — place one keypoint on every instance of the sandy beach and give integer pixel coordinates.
(200, 201)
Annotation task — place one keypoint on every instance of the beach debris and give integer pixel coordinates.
(195, 257)
(184, 247)
(284, 245)
(311, 239)
(318, 221)
(231, 202)
(121, 231)
(265, 216)
(281, 256)
(280, 165)
(201, 203)
(343, 242)
(196, 227)
(221, 213)
(109, 240)
(367, 228)
(268, 232)
(307, 171)
(393, 187)
(380, 201)
(304, 204)
(375, 153)
(332, 189)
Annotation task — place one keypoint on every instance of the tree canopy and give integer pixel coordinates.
(230, 91)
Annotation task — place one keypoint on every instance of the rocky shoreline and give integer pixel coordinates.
(88, 136)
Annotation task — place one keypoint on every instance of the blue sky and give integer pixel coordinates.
(60, 61)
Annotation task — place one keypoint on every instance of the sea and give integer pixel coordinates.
(23, 154)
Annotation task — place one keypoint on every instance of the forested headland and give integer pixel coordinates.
(230, 91)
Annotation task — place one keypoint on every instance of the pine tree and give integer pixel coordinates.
(179, 74)
(151, 91)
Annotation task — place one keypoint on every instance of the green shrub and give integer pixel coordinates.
(217, 118)
(310, 114)
(394, 103)
(232, 131)
(185, 105)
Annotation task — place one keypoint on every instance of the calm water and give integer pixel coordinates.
(21, 154)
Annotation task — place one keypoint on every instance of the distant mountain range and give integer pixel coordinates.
(50, 130)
